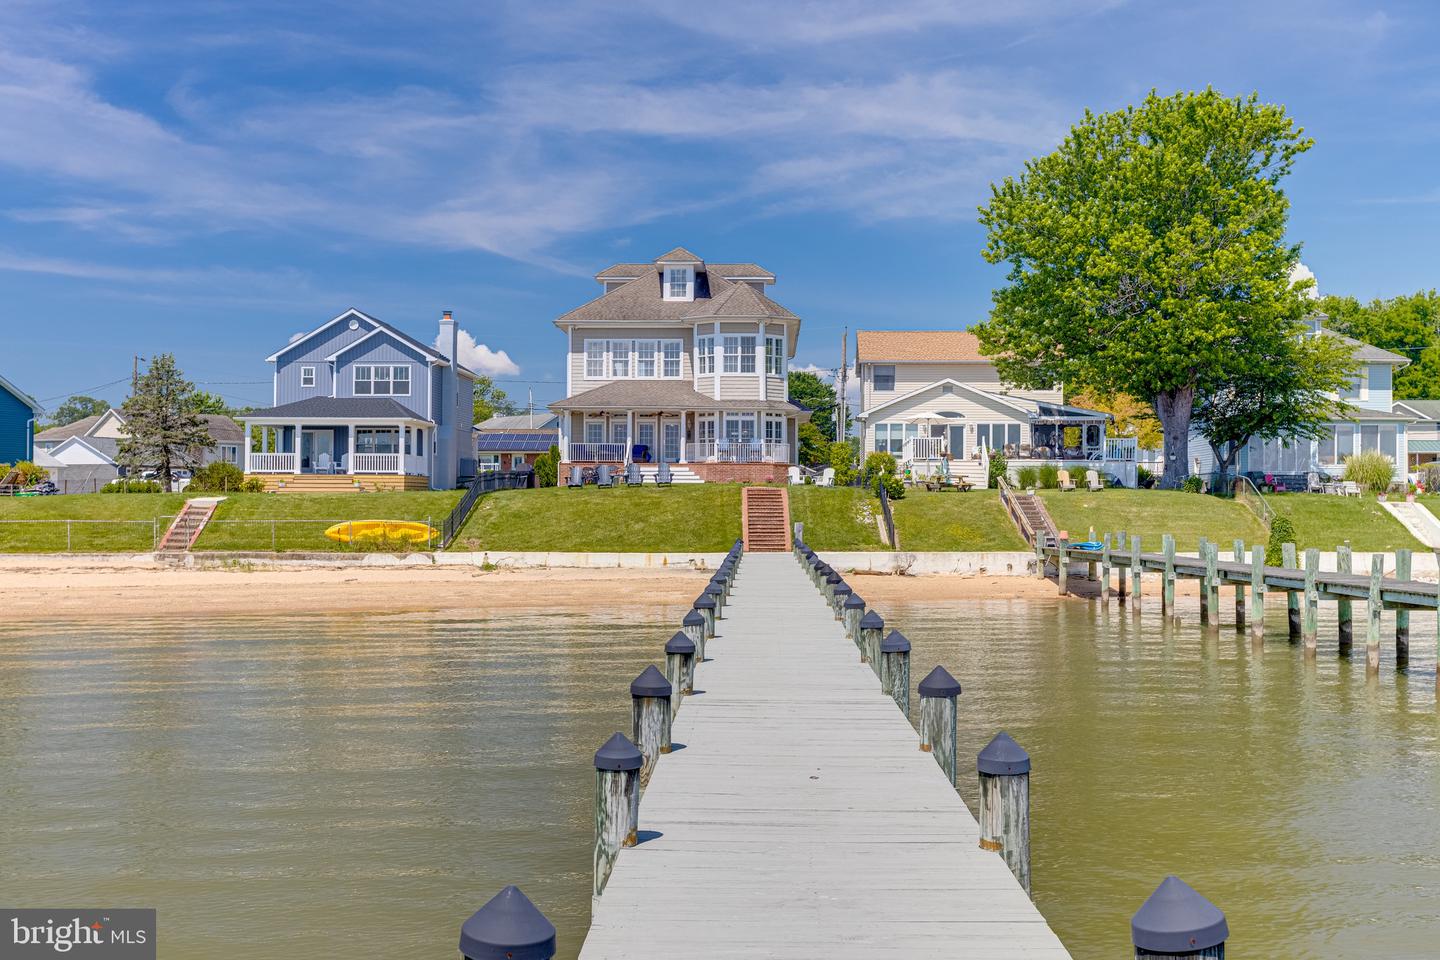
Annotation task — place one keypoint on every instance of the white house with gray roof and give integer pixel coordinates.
(683, 361)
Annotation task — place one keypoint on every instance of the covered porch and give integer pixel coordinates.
(350, 448)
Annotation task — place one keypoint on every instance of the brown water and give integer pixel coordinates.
(303, 786)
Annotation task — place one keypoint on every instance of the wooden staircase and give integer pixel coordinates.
(765, 519)
(1036, 517)
(185, 529)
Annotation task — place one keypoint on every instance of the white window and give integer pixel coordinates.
(594, 431)
(230, 453)
(594, 359)
(775, 429)
(739, 426)
(679, 283)
(645, 358)
(670, 359)
(488, 461)
(884, 378)
(891, 437)
(517, 461)
(739, 354)
(307, 376)
(617, 430)
(997, 435)
(747, 354)
(619, 358)
(705, 354)
(775, 356)
(382, 381)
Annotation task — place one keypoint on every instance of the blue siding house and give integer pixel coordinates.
(18, 413)
(360, 404)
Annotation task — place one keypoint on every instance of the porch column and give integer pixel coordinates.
(764, 364)
(563, 436)
(298, 428)
(629, 435)
(350, 449)
(400, 447)
(684, 415)
(247, 446)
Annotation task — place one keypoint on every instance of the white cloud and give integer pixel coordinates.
(823, 373)
(480, 358)
(1301, 272)
(297, 336)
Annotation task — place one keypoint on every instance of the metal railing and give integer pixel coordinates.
(487, 482)
(1247, 493)
(137, 533)
(597, 452)
(738, 451)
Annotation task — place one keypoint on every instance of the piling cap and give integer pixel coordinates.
(693, 619)
(714, 589)
(650, 683)
(896, 642)
(618, 753)
(1003, 757)
(1176, 919)
(703, 602)
(842, 589)
(854, 601)
(509, 926)
(872, 621)
(939, 683)
(832, 577)
(679, 644)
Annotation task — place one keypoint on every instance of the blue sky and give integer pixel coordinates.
(211, 181)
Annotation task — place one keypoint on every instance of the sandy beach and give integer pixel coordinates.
(80, 587)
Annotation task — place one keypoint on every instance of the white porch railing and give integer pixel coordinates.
(272, 463)
(599, 452)
(376, 463)
(738, 451)
(1122, 448)
(923, 448)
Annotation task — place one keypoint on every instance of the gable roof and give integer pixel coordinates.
(21, 395)
(678, 255)
(730, 271)
(84, 445)
(741, 300)
(642, 300)
(75, 428)
(1368, 352)
(1015, 403)
(535, 420)
(1424, 409)
(221, 429)
(917, 346)
(430, 352)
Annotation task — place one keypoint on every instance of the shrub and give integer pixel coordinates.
(31, 474)
(879, 464)
(846, 476)
(1282, 531)
(547, 467)
(1371, 469)
(217, 477)
(894, 487)
(998, 468)
(1144, 479)
(1049, 476)
(253, 485)
(133, 486)
(1028, 477)
(1193, 484)
(1430, 477)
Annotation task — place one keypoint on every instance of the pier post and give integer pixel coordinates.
(650, 717)
(1372, 635)
(841, 593)
(1136, 571)
(1090, 564)
(1167, 592)
(1237, 553)
(1062, 565)
(1257, 594)
(1004, 769)
(706, 608)
(1040, 561)
(1344, 614)
(872, 628)
(508, 926)
(679, 668)
(938, 693)
(1312, 599)
(1120, 549)
(895, 669)
(617, 803)
(716, 592)
(694, 627)
(1210, 586)
(1104, 572)
(1402, 615)
(854, 610)
(1292, 598)
(832, 580)
(1177, 922)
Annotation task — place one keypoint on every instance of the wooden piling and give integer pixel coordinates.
(650, 718)
(694, 627)
(872, 628)
(1312, 600)
(895, 669)
(1210, 585)
(1135, 571)
(1372, 634)
(1292, 598)
(1120, 548)
(706, 608)
(1344, 616)
(1090, 564)
(617, 804)
(1257, 595)
(679, 668)
(1237, 553)
(1004, 770)
(842, 594)
(1167, 590)
(1062, 566)
(938, 694)
(1104, 572)
(1402, 615)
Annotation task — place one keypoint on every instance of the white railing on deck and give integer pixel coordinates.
(272, 463)
(738, 451)
(923, 448)
(376, 463)
(600, 452)
(1122, 448)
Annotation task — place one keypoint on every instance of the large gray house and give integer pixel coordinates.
(360, 405)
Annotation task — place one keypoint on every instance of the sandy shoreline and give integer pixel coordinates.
(81, 587)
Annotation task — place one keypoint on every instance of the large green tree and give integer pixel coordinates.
(1144, 250)
(1408, 325)
(164, 430)
(491, 401)
(813, 393)
(204, 402)
(814, 446)
(78, 407)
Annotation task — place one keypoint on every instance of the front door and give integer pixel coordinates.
(957, 442)
(670, 431)
(645, 437)
(314, 444)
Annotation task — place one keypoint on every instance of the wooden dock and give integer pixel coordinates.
(796, 815)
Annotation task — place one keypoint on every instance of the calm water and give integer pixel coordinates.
(297, 787)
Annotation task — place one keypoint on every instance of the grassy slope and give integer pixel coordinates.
(86, 538)
(954, 521)
(1152, 513)
(836, 518)
(1326, 521)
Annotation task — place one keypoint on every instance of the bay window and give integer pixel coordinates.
(705, 354)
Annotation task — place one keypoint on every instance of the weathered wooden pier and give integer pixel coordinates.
(784, 806)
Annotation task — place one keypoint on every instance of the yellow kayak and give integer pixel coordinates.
(415, 531)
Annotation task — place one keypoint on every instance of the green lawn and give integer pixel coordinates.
(1327, 521)
(954, 521)
(136, 536)
(837, 518)
(1151, 514)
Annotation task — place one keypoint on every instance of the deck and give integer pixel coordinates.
(799, 818)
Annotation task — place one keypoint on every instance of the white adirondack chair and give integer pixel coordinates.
(826, 478)
(793, 473)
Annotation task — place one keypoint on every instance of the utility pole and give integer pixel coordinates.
(134, 373)
(840, 384)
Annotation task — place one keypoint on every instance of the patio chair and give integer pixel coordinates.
(662, 475)
(1350, 488)
(793, 475)
(1092, 481)
(826, 478)
(577, 478)
(633, 476)
(1065, 482)
(1025, 450)
(322, 462)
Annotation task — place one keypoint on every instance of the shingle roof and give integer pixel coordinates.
(1364, 413)
(731, 271)
(67, 430)
(1429, 409)
(741, 300)
(342, 408)
(678, 255)
(665, 396)
(1369, 352)
(643, 299)
(916, 346)
(222, 429)
(537, 420)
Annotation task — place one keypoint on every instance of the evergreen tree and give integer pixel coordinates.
(164, 430)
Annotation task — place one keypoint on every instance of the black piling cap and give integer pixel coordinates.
(509, 927)
(832, 577)
(896, 642)
(651, 683)
(939, 683)
(618, 753)
(714, 589)
(872, 621)
(703, 602)
(1176, 919)
(693, 619)
(842, 589)
(1003, 757)
(854, 601)
(680, 644)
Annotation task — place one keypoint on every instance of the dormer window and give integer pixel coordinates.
(679, 283)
